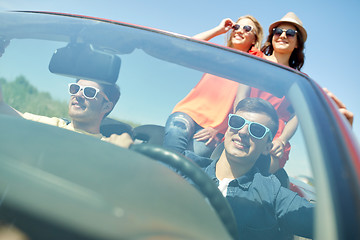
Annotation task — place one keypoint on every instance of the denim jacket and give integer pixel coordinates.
(262, 208)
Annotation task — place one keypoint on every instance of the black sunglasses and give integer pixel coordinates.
(257, 130)
(246, 28)
(89, 92)
(289, 32)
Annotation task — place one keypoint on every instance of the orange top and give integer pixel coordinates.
(211, 100)
(281, 105)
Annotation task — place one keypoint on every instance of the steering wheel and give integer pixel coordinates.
(206, 186)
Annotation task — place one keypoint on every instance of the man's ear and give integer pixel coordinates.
(107, 107)
(268, 148)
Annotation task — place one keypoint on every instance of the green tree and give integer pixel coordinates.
(23, 96)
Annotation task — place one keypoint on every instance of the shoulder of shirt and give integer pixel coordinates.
(44, 119)
(269, 178)
(271, 182)
(256, 52)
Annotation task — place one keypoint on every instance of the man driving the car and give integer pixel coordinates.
(89, 103)
(262, 207)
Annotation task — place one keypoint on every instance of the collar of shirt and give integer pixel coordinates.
(244, 181)
(70, 126)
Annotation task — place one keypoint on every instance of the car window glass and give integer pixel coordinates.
(150, 88)
(152, 81)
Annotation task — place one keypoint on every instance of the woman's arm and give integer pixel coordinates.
(289, 130)
(242, 92)
(224, 26)
(342, 108)
(279, 143)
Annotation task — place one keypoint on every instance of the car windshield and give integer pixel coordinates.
(153, 78)
(154, 70)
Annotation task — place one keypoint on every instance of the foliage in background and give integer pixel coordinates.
(21, 95)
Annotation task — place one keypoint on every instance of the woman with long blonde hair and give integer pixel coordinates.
(199, 121)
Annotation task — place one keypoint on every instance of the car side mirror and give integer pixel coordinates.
(79, 60)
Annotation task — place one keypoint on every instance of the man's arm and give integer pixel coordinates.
(6, 109)
(295, 214)
(124, 140)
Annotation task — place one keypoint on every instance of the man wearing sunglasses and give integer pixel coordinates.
(89, 104)
(262, 207)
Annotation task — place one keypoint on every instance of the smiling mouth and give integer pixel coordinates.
(240, 145)
(237, 36)
(76, 104)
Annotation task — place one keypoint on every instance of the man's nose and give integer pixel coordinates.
(79, 94)
(244, 131)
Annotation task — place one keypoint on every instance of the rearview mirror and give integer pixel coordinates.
(79, 60)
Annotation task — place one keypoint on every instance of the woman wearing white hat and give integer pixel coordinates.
(284, 45)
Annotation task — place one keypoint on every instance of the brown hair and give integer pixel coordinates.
(297, 57)
(112, 91)
(258, 105)
(258, 32)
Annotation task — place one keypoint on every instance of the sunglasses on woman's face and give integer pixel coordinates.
(289, 32)
(89, 92)
(255, 129)
(246, 28)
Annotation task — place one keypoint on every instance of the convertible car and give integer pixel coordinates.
(59, 184)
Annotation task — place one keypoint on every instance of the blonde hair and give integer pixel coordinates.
(258, 32)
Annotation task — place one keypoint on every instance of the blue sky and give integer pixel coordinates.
(331, 26)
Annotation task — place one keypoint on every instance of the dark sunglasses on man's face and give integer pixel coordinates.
(89, 92)
(289, 32)
(256, 130)
(246, 28)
